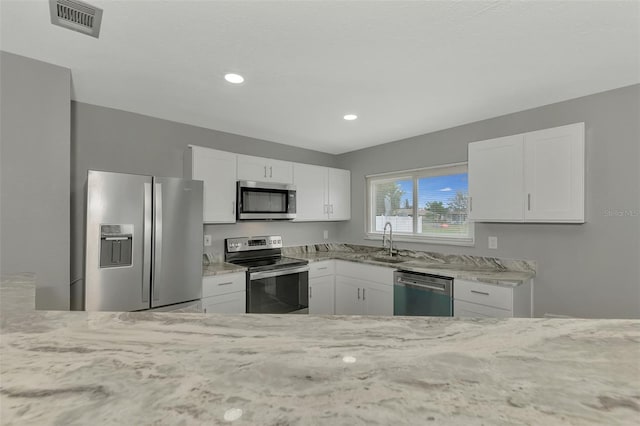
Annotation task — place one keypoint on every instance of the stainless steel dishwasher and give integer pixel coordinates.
(418, 294)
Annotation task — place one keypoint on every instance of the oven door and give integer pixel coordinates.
(278, 292)
(266, 201)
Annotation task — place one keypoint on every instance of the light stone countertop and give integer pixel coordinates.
(506, 273)
(98, 368)
(221, 268)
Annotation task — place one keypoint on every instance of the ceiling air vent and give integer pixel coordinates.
(76, 15)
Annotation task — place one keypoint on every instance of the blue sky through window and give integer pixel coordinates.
(435, 188)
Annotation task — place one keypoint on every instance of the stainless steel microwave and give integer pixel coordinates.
(265, 201)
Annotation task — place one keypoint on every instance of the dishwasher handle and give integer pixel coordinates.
(440, 286)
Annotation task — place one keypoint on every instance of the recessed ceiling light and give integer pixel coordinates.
(234, 78)
(350, 117)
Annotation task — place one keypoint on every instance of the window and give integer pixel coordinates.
(429, 205)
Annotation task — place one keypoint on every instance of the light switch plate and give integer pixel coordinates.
(207, 240)
(325, 234)
(493, 242)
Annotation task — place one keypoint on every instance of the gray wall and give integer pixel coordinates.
(119, 141)
(35, 175)
(587, 270)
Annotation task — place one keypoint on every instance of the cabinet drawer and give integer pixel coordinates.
(223, 284)
(321, 269)
(473, 310)
(368, 273)
(234, 303)
(484, 294)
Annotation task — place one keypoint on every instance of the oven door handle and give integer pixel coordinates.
(277, 272)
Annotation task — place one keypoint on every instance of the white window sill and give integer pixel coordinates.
(466, 242)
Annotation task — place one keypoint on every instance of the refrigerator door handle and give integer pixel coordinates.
(157, 244)
(146, 247)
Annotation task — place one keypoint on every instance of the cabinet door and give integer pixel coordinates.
(378, 299)
(279, 171)
(554, 174)
(252, 168)
(496, 179)
(311, 192)
(232, 303)
(483, 294)
(215, 285)
(217, 169)
(321, 269)
(348, 296)
(339, 194)
(261, 169)
(321, 295)
(472, 310)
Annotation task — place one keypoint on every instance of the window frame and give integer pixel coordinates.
(415, 175)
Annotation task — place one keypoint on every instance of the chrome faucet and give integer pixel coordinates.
(384, 234)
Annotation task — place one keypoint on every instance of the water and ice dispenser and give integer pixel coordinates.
(115, 245)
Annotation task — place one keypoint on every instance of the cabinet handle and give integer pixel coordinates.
(228, 283)
(364, 297)
(265, 171)
(529, 201)
(325, 267)
(480, 292)
(358, 293)
(470, 204)
(310, 292)
(233, 208)
(270, 171)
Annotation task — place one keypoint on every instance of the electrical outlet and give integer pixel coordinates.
(325, 234)
(493, 242)
(207, 240)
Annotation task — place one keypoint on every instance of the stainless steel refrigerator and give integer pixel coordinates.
(143, 241)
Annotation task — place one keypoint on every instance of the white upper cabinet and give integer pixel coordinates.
(264, 169)
(312, 185)
(323, 193)
(554, 174)
(496, 180)
(531, 177)
(217, 169)
(339, 205)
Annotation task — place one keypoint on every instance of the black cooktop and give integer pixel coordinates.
(268, 264)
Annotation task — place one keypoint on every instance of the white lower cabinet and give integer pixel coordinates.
(474, 310)
(475, 299)
(363, 289)
(321, 295)
(322, 288)
(225, 294)
(233, 303)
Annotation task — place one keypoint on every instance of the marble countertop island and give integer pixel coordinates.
(97, 368)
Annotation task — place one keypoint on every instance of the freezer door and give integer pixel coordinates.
(118, 242)
(177, 243)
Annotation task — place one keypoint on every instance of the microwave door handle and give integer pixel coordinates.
(277, 273)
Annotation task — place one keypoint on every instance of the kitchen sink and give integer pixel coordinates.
(388, 259)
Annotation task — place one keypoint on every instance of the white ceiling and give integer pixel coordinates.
(404, 67)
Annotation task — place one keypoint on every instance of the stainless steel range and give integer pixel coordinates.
(275, 284)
